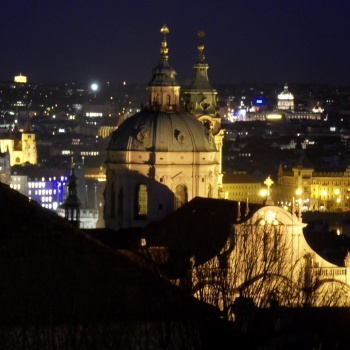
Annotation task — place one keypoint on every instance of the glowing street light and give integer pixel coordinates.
(263, 193)
(299, 192)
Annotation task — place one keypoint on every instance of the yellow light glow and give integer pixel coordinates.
(263, 193)
(274, 116)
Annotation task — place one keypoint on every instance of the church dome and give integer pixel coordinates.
(286, 94)
(158, 131)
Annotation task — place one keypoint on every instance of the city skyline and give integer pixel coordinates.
(253, 41)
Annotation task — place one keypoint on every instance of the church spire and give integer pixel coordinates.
(164, 49)
(201, 80)
(163, 89)
(72, 203)
(28, 126)
(200, 97)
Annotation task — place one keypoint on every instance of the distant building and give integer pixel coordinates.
(20, 79)
(285, 100)
(45, 186)
(21, 150)
(313, 190)
(241, 187)
(285, 110)
(5, 168)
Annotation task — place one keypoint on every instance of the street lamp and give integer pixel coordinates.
(298, 192)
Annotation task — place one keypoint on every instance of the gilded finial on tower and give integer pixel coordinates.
(201, 35)
(164, 30)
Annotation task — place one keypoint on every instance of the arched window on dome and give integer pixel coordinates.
(168, 100)
(180, 196)
(112, 207)
(141, 204)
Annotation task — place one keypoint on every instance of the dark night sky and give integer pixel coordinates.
(258, 41)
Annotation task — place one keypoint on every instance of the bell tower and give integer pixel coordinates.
(29, 144)
(163, 89)
(200, 100)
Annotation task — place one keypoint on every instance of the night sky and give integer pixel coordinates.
(256, 41)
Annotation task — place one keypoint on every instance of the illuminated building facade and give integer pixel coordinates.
(5, 168)
(271, 260)
(20, 79)
(221, 250)
(21, 150)
(47, 191)
(283, 111)
(314, 190)
(241, 187)
(285, 100)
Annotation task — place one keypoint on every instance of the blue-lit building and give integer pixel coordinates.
(45, 186)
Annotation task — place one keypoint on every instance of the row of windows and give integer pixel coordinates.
(15, 186)
(36, 184)
(327, 183)
(241, 186)
(242, 194)
(42, 192)
(89, 153)
(46, 199)
(50, 205)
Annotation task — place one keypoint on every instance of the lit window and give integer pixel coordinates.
(141, 202)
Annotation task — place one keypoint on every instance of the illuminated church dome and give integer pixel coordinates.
(285, 99)
(156, 131)
(160, 158)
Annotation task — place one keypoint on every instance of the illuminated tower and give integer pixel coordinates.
(201, 101)
(163, 89)
(29, 144)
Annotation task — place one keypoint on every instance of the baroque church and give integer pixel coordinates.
(164, 175)
(167, 154)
